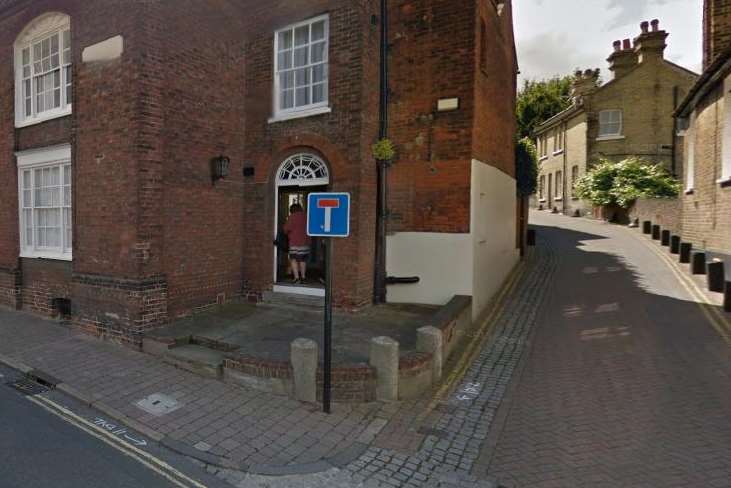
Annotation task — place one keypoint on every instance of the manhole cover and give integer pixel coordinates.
(158, 404)
(27, 387)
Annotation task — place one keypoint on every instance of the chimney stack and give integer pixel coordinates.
(584, 83)
(650, 45)
(622, 59)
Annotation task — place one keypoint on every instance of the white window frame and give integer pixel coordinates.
(612, 135)
(558, 141)
(312, 108)
(726, 140)
(690, 160)
(32, 160)
(45, 26)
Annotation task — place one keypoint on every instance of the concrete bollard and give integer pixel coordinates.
(675, 245)
(303, 356)
(656, 232)
(698, 263)
(429, 340)
(685, 249)
(647, 227)
(727, 297)
(665, 238)
(716, 279)
(384, 357)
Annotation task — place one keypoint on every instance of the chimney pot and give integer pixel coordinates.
(655, 25)
(645, 26)
(617, 46)
(626, 44)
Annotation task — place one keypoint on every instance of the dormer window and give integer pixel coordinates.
(43, 70)
(610, 124)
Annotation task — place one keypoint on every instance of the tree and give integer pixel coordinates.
(538, 101)
(622, 183)
(526, 160)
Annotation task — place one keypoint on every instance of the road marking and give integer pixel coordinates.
(157, 465)
(719, 323)
(120, 432)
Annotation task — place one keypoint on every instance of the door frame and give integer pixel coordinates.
(281, 182)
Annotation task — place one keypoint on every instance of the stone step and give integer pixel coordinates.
(196, 359)
(293, 300)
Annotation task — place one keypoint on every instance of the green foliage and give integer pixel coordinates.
(624, 182)
(526, 157)
(384, 150)
(538, 101)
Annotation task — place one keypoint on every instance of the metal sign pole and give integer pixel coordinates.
(327, 354)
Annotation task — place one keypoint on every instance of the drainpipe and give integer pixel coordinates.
(673, 158)
(379, 288)
(565, 175)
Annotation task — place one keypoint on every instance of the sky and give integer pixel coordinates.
(554, 37)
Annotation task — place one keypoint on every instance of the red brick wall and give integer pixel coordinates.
(707, 211)
(343, 138)
(44, 280)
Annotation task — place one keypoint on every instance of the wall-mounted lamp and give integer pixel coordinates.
(219, 168)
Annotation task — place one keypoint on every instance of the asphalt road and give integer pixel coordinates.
(40, 450)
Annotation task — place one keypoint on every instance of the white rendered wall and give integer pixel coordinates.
(442, 261)
(493, 223)
(474, 264)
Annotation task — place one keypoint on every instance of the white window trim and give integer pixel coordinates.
(312, 109)
(43, 26)
(615, 135)
(726, 138)
(690, 162)
(30, 159)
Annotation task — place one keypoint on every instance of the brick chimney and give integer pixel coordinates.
(584, 83)
(623, 59)
(716, 29)
(650, 44)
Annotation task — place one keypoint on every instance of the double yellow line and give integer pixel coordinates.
(157, 465)
(715, 317)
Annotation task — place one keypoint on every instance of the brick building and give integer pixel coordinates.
(706, 113)
(116, 120)
(630, 115)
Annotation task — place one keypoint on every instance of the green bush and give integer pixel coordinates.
(526, 166)
(624, 182)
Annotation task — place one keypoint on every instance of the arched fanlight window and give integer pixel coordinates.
(303, 170)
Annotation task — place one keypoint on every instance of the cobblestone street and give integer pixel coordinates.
(598, 371)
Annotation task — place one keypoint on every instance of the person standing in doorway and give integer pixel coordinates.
(299, 242)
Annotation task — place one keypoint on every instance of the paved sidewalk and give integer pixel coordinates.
(258, 438)
(626, 385)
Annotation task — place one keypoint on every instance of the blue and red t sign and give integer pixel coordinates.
(328, 214)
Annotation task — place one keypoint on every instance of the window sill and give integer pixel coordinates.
(46, 255)
(543, 158)
(542, 200)
(575, 199)
(689, 191)
(300, 114)
(610, 138)
(43, 118)
(558, 199)
(724, 182)
(556, 153)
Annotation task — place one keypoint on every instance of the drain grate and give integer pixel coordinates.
(27, 387)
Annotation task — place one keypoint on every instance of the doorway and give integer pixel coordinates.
(297, 177)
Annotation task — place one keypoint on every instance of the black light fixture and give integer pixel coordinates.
(219, 168)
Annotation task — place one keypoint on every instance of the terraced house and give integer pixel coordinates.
(705, 115)
(149, 152)
(629, 115)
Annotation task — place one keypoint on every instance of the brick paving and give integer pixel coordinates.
(626, 384)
